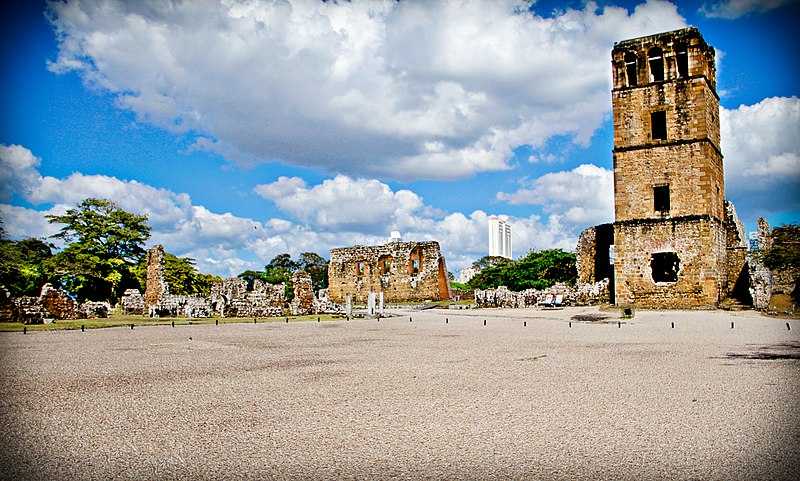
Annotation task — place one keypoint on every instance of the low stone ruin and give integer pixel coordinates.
(132, 302)
(52, 304)
(231, 298)
(581, 295)
(303, 302)
(57, 303)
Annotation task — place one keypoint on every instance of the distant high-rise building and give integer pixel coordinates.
(499, 237)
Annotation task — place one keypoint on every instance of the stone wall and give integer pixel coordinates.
(8, 310)
(93, 310)
(580, 295)
(698, 243)
(156, 284)
(231, 298)
(593, 254)
(303, 301)
(56, 303)
(132, 303)
(403, 271)
(188, 306)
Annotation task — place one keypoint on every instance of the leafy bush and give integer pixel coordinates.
(536, 270)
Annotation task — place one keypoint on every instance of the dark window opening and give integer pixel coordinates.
(682, 59)
(658, 125)
(359, 269)
(656, 59)
(661, 198)
(385, 264)
(630, 69)
(665, 266)
(415, 261)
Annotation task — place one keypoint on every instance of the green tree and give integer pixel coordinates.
(23, 268)
(317, 268)
(104, 243)
(180, 274)
(536, 270)
(784, 254)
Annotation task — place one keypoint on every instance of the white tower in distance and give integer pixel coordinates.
(499, 237)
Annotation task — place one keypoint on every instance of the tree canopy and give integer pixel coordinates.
(104, 243)
(23, 265)
(281, 267)
(181, 275)
(536, 270)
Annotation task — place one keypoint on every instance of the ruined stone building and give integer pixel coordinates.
(402, 271)
(676, 242)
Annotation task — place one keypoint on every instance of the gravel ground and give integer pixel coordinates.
(432, 396)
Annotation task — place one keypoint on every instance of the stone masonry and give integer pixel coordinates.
(403, 271)
(670, 238)
(304, 301)
(155, 285)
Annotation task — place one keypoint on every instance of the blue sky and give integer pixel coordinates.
(246, 130)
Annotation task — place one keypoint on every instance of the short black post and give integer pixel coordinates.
(524, 323)
(409, 320)
(81, 327)
(673, 325)
(318, 319)
(788, 327)
(255, 320)
(173, 323)
(131, 327)
(619, 324)
(216, 322)
(731, 324)
(287, 320)
(447, 320)
(484, 322)
(570, 323)
(25, 329)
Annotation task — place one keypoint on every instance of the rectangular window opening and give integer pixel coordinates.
(661, 198)
(665, 266)
(658, 125)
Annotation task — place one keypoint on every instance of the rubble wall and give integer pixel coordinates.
(403, 271)
(156, 285)
(698, 242)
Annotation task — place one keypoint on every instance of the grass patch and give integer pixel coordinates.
(119, 320)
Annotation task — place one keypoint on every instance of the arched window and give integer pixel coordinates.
(682, 59)
(630, 69)
(655, 57)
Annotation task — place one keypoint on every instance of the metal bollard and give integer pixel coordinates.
(524, 323)
(131, 327)
(216, 322)
(25, 329)
(731, 324)
(673, 325)
(81, 327)
(788, 327)
(484, 322)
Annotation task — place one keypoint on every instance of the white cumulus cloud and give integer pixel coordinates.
(405, 90)
(761, 145)
(582, 196)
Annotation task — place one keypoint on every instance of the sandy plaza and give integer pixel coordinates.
(575, 393)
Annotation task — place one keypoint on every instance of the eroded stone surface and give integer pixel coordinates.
(403, 271)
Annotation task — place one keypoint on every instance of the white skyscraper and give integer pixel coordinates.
(499, 237)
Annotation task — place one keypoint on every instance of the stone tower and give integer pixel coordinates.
(669, 195)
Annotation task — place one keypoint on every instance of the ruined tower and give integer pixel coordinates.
(669, 195)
